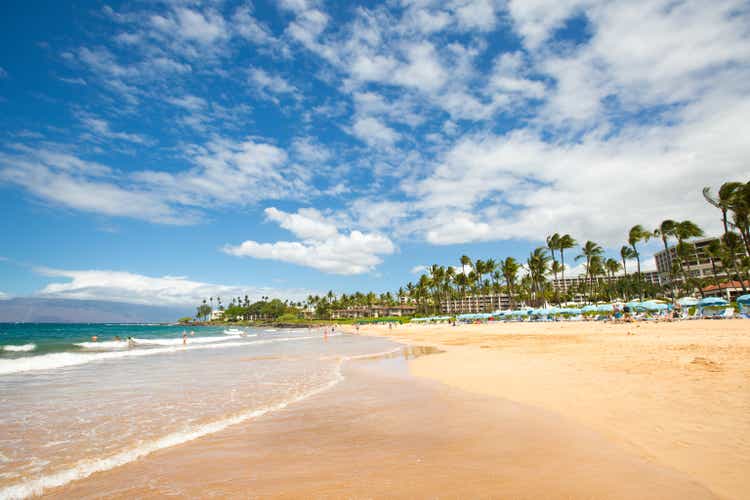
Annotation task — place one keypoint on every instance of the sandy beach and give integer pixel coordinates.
(385, 433)
(674, 394)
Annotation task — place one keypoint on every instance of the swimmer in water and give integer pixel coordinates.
(94, 338)
(117, 338)
(192, 333)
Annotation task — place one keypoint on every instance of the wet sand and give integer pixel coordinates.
(675, 394)
(384, 433)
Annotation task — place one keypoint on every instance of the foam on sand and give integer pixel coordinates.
(19, 348)
(85, 468)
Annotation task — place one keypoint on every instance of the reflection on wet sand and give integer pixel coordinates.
(378, 435)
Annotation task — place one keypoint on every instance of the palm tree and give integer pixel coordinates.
(685, 230)
(723, 202)
(635, 236)
(465, 261)
(556, 268)
(510, 267)
(564, 243)
(665, 231)
(537, 265)
(588, 251)
(612, 267)
(715, 251)
(553, 243)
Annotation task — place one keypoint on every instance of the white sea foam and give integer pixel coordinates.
(85, 468)
(66, 359)
(19, 348)
(106, 345)
(234, 331)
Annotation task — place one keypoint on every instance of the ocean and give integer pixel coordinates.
(73, 407)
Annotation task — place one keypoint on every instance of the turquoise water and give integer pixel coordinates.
(17, 339)
(72, 407)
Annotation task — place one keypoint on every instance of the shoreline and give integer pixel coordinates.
(676, 394)
(384, 432)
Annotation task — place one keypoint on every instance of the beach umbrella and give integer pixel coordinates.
(605, 308)
(589, 308)
(573, 310)
(635, 306)
(712, 302)
(688, 301)
(744, 299)
(654, 306)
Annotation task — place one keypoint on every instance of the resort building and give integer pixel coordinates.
(373, 311)
(475, 304)
(697, 265)
(729, 290)
(217, 314)
(575, 282)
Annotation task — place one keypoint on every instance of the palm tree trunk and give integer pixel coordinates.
(640, 285)
(562, 271)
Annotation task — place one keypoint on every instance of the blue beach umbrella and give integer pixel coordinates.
(605, 308)
(687, 301)
(589, 308)
(744, 299)
(712, 302)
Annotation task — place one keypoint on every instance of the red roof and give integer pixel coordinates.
(728, 284)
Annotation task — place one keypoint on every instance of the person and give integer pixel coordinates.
(192, 333)
(94, 338)
(184, 337)
(117, 338)
(131, 342)
(626, 314)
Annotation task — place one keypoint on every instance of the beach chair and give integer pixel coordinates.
(728, 313)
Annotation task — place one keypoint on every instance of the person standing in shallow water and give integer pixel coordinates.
(184, 337)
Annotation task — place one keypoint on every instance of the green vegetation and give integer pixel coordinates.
(529, 282)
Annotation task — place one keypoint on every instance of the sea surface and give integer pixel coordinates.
(72, 407)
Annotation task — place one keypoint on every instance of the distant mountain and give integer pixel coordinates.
(36, 310)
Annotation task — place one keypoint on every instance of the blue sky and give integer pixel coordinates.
(165, 151)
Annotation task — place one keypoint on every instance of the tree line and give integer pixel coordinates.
(607, 277)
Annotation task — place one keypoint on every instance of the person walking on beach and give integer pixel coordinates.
(184, 337)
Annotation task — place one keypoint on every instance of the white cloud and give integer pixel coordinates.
(202, 27)
(223, 172)
(268, 85)
(420, 269)
(121, 286)
(4, 296)
(322, 247)
(374, 132)
(67, 180)
(100, 128)
(476, 14)
(307, 150)
(595, 189)
(188, 102)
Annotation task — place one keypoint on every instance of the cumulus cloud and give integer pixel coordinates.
(221, 172)
(322, 246)
(374, 132)
(132, 288)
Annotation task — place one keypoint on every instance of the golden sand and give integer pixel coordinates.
(676, 394)
(383, 433)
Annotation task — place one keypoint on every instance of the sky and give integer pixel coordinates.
(160, 152)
